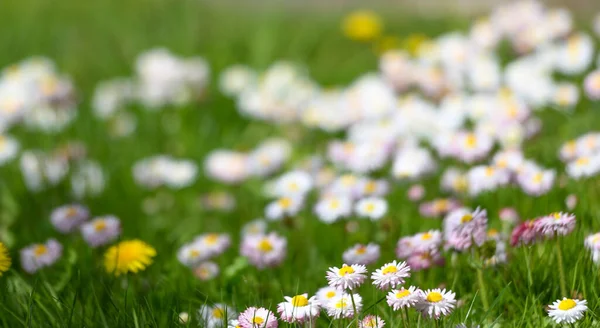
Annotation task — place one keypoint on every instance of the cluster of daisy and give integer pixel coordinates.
(548, 226)
(582, 155)
(34, 93)
(230, 166)
(41, 170)
(198, 253)
(163, 170)
(161, 79)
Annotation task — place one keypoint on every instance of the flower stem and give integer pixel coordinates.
(561, 269)
(354, 308)
(407, 318)
(481, 282)
(527, 253)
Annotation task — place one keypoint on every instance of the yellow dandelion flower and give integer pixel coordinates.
(5, 260)
(128, 256)
(362, 25)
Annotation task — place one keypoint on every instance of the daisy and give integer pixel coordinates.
(584, 166)
(264, 250)
(536, 182)
(509, 215)
(343, 306)
(257, 318)
(325, 294)
(486, 178)
(471, 147)
(184, 318)
(557, 223)
(295, 184)
(192, 254)
(347, 277)
(362, 254)
(255, 227)
(567, 310)
(425, 259)
(68, 217)
(571, 202)
(213, 244)
(269, 156)
(9, 147)
(566, 95)
(283, 207)
(390, 275)
(462, 228)
(403, 298)
(438, 207)
(591, 85)
(412, 162)
(435, 303)
(37, 256)
(299, 309)
(454, 180)
(372, 187)
(101, 230)
(128, 256)
(227, 166)
(332, 208)
(424, 241)
(215, 316)
(233, 324)
(206, 270)
(524, 234)
(372, 208)
(592, 242)
(371, 321)
(5, 260)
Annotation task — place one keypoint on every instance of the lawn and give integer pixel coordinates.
(93, 41)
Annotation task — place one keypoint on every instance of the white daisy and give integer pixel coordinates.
(362, 254)
(299, 309)
(372, 208)
(390, 275)
(347, 277)
(343, 306)
(435, 303)
(332, 208)
(567, 310)
(404, 298)
(283, 207)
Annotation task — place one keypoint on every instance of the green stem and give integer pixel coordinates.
(356, 319)
(527, 252)
(481, 282)
(561, 269)
(407, 318)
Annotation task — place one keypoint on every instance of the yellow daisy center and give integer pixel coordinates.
(218, 313)
(566, 304)
(361, 249)
(466, 218)
(440, 205)
(489, 171)
(334, 204)
(211, 239)
(389, 269)
(426, 236)
(492, 232)
(341, 304)
(285, 202)
(556, 215)
(330, 294)
(471, 141)
(403, 293)
(194, 253)
(99, 225)
(370, 207)
(71, 212)
(537, 178)
(370, 187)
(299, 301)
(294, 186)
(258, 320)
(345, 270)
(434, 297)
(348, 180)
(40, 250)
(582, 161)
(265, 245)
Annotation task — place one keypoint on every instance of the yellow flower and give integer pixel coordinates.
(362, 25)
(5, 260)
(128, 256)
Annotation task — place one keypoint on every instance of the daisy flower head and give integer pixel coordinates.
(285, 206)
(424, 241)
(325, 294)
(372, 187)
(390, 275)
(462, 228)
(371, 321)
(567, 310)
(37, 256)
(264, 251)
(472, 146)
(524, 234)
(412, 162)
(255, 227)
(254, 317)
(68, 217)
(206, 270)
(592, 242)
(454, 180)
(333, 208)
(101, 230)
(591, 85)
(509, 215)
(342, 306)
(192, 254)
(536, 182)
(293, 184)
(557, 223)
(486, 178)
(5, 260)
(372, 208)
(584, 166)
(9, 147)
(233, 324)
(213, 244)
(425, 259)
(438, 207)
(216, 315)
(362, 254)
(403, 298)
(299, 309)
(347, 277)
(128, 256)
(435, 303)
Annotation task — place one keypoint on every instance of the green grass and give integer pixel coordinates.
(97, 40)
